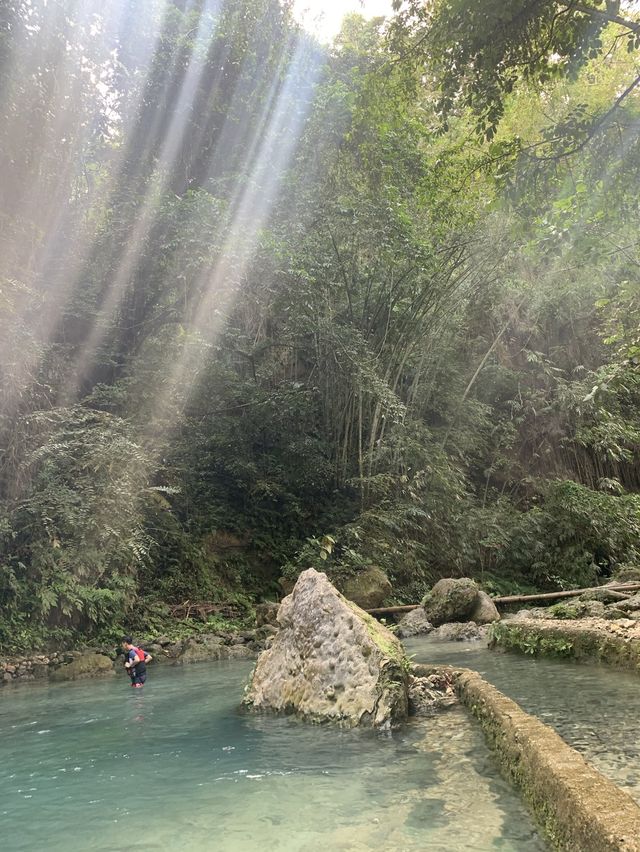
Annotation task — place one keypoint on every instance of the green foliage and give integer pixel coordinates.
(568, 610)
(480, 51)
(529, 642)
(580, 532)
(271, 306)
(152, 619)
(70, 547)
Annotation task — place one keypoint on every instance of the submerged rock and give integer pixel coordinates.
(87, 665)
(429, 694)
(368, 589)
(330, 662)
(414, 623)
(451, 600)
(484, 611)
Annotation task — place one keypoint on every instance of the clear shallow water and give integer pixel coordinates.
(593, 708)
(99, 766)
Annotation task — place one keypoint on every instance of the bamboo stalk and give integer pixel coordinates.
(384, 610)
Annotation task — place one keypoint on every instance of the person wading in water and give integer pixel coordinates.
(135, 660)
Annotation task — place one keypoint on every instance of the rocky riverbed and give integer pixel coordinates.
(99, 661)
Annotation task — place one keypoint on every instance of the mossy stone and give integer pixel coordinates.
(627, 574)
(612, 613)
(368, 589)
(573, 639)
(330, 662)
(579, 809)
(574, 609)
(451, 599)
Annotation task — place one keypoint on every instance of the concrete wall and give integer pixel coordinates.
(578, 808)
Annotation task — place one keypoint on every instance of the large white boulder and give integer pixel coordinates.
(330, 662)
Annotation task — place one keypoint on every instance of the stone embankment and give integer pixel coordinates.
(578, 808)
(33, 667)
(596, 640)
(104, 661)
(601, 626)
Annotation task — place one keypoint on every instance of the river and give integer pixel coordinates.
(96, 766)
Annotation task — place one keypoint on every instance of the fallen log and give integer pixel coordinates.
(389, 610)
(572, 593)
(511, 599)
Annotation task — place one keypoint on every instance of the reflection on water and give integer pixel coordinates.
(97, 766)
(593, 708)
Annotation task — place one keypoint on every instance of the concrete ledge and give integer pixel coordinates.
(579, 809)
(593, 641)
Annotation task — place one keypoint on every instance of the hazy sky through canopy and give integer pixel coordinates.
(324, 18)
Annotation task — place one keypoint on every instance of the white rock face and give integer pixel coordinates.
(330, 662)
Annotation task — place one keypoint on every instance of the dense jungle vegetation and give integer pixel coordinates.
(267, 304)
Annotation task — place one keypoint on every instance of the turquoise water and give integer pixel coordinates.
(595, 709)
(98, 766)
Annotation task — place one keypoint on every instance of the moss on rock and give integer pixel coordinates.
(484, 610)
(603, 595)
(583, 642)
(451, 599)
(368, 589)
(533, 641)
(330, 662)
(579, 809)
(627, 574)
